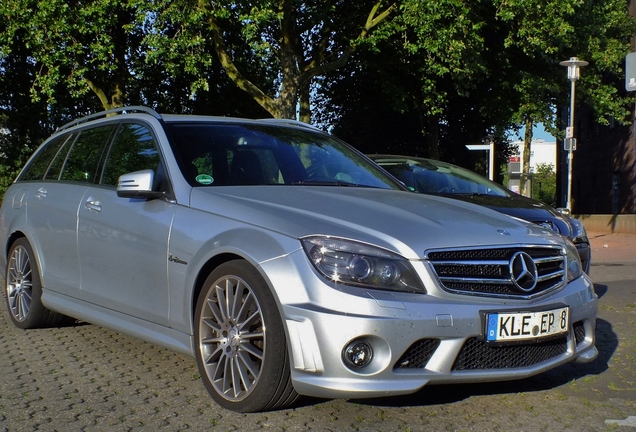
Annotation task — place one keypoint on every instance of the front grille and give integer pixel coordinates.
(487, 271)
(476, 354)
(418, 354)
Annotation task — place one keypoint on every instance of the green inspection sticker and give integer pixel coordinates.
(204, 179)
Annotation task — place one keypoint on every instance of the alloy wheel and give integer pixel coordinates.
(19, 283)
(232, 338)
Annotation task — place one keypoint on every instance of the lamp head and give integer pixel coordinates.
(574, 66)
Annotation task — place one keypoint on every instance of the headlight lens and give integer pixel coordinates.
(353, 263)
(575, 268)
(579, 234)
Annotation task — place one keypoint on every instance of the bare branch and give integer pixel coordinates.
(103, 98)
(373, 20)
(235, 75)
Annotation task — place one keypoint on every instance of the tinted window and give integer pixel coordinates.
(55, 169)
(41, 165)
(258, 154)
(87, 153)
(133, 149)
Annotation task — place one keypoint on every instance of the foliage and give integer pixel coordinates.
(540, 34)
(21, 128)
(421, 76)
(544, 184)
(88, 46)
(270, 49)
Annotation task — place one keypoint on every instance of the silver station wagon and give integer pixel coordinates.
(284, 261)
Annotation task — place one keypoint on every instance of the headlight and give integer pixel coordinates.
(574, 269)
(353, 263)
(579, 234)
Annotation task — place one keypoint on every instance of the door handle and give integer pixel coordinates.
(93, 204)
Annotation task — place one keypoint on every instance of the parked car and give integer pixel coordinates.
(284, 261)
(441, 178)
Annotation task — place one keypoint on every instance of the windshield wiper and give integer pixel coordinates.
(328, 183)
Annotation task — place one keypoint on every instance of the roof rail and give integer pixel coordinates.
(289, 122)
(108, 113)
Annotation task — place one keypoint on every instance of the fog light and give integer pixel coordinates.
(357, 354)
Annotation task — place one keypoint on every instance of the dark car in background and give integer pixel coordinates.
(444, 179)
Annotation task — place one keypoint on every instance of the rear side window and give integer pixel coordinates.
(134, 149)
(86, 155)
(41, 166)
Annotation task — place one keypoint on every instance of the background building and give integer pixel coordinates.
(541, 152)
(604, 170)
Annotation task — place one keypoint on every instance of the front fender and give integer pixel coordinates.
(192, 252)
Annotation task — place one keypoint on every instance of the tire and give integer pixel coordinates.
(24, 289)
(240, 344)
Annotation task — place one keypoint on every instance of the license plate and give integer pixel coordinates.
(519, 326)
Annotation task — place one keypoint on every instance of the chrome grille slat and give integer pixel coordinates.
(483, 263)
(547, 259)
(549, 276)
(475, 280)
(489, 271)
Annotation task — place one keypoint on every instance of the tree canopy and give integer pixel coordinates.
(425, 77)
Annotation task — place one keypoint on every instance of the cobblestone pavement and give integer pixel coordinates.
(86, 378)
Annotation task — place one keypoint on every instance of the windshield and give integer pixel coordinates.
(230, 154)
(439, 178)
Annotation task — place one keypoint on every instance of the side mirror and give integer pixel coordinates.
(138, 184)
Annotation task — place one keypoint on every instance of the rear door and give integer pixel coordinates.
(64, 170)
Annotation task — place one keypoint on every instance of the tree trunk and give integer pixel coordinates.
(525, 183)
(120, 76)
(117, 97)
(305, 108)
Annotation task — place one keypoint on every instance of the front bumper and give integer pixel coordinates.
(585, 253)
(416, 339)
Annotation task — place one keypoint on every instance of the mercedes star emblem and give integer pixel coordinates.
(523, 271)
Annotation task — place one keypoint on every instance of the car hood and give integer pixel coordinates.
(518, 206)
(403, 222)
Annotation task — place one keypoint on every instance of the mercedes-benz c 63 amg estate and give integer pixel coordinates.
(284, 261)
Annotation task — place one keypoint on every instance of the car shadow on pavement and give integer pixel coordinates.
(606, 343)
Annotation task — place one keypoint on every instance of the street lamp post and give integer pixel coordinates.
(574, 65)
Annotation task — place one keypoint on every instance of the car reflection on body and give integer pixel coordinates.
(444, 179)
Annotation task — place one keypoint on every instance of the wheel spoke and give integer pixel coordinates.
(252, 320)
(24, 303)
(13, 273)
(213, 325)
(248, 303)
(253, 350)
(236, 378)
(245, 371)
(220, 375)
(231, 294)
(23, 263)
(214, 355)
(245, 359)
(221, 295)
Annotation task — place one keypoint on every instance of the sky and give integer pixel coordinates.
(538, 132)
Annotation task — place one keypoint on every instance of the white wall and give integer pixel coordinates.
(541, 152)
